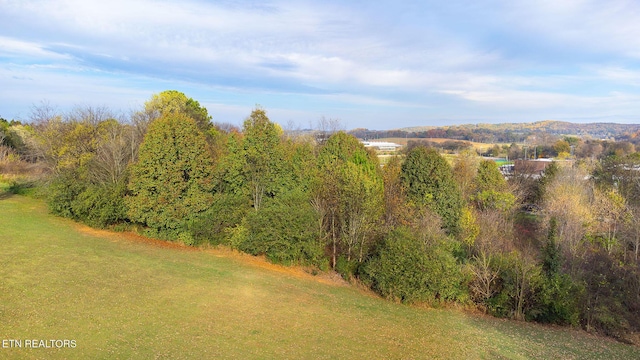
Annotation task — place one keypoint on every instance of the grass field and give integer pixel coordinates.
(120, 296)
(476, 145)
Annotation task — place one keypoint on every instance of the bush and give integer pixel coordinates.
(558, 301)
(62, 192)
(518, 283)
(611, 300)
(408, 270)
(346, 268)
(101, 205)
(285, 230)
(186, 238)
(225, 213)
(26, 188)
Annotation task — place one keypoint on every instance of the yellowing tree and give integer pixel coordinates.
(175, 102)
(611, 213)
(567, 199)
(465, 169)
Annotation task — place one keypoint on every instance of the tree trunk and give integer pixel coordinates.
(333, 237)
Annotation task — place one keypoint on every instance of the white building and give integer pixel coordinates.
(382, 145)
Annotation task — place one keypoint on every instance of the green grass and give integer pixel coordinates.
(120, 299)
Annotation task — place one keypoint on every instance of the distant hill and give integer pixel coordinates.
(595, 130)
(507, 132)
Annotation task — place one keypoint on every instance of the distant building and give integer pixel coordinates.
(507, 169)
(382, 145)
(533, 168)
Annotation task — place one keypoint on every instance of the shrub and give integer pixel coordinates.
(408, 270)
(346, 268)
(101, 205)
(186, 238)
(518, 283)
(558, 301)
(611, 300)
(62, 192)
(285, 230)
(213, 226)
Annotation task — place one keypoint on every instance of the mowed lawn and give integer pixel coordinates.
(122, 298)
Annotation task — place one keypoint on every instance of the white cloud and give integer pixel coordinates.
(589, 25)
(13, 48)
(619, 75)
(534, 57)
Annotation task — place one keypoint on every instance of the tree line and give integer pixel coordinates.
(511, 132)
(421, 229)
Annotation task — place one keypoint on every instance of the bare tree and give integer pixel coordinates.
(89, 115)
(42, 113)
(226, 127)
(112, 154)
(464, 170)
(327, 127)
(485, 271)
(139, 122)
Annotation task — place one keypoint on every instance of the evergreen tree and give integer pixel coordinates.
(171, 182)
(551, 257)
(429, 181)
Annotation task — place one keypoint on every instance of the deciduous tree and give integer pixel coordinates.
(175, 102)
(349, 194)
(567, 199)
(490, 188)
(263, 156)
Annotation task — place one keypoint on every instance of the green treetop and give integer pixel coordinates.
(174, 102)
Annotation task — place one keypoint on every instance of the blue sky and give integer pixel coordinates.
(373, 64)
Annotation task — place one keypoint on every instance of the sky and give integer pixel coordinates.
(369, 64)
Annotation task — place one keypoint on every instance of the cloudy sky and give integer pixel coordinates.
(375, 64)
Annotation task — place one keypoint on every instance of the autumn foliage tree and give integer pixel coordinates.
(175, 102)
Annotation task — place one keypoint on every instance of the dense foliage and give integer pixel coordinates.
(559, 246)
(171, 182)
(409, 270)
(429, 181)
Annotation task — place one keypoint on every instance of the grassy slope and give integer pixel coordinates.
(120, 298)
